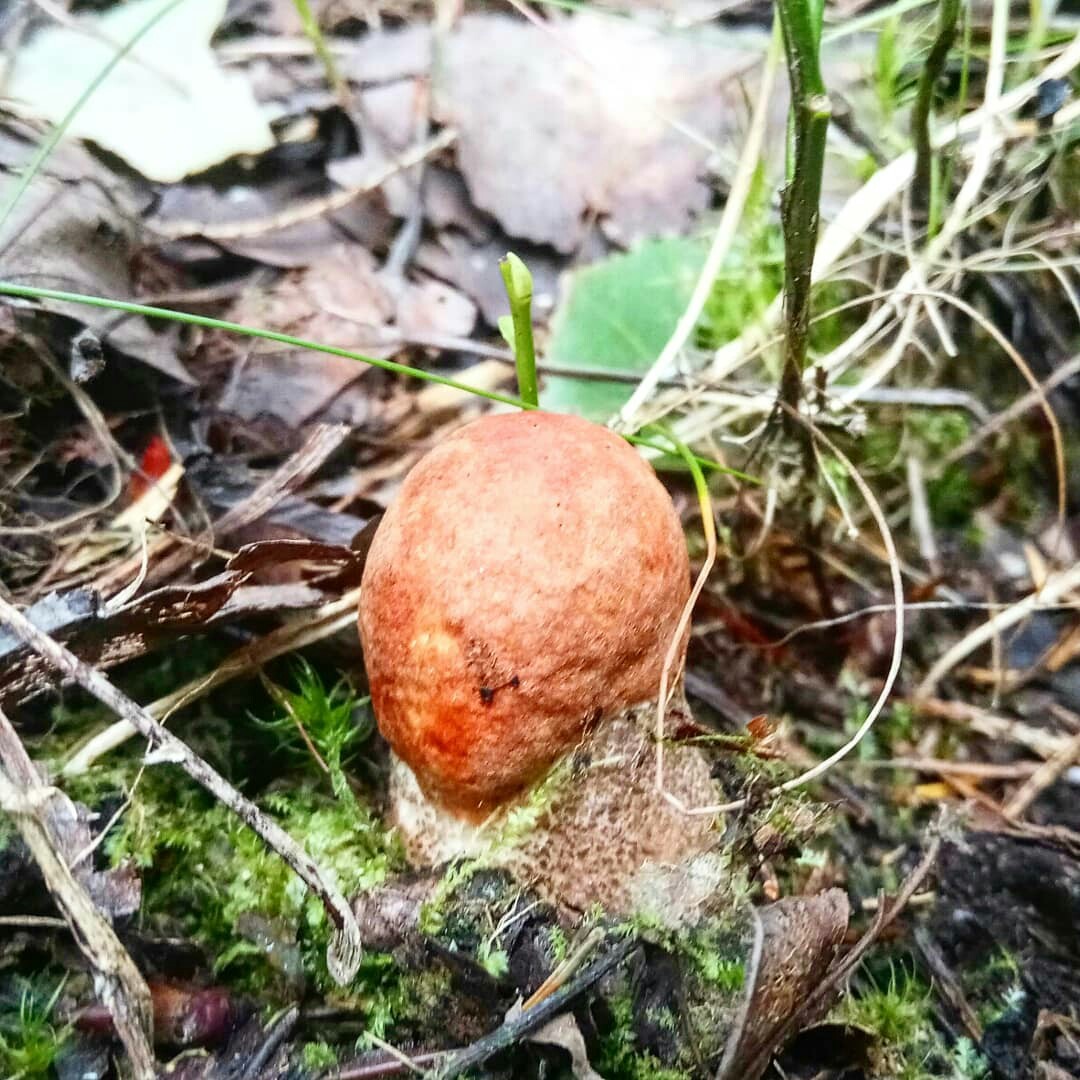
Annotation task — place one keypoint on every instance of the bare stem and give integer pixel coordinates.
(948, 10)
(800, 21)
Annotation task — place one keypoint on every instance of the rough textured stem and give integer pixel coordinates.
(343, 957)
(800, 21)
(948, 10)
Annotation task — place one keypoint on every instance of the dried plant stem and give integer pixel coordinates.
(923, 183)
(897, 608)
(676, 648)
(117, 981)
(294, 635)
(1045, 776)
(1053, 589)
(861, 210)
(343, 956)
(721, 244)
(800, 21)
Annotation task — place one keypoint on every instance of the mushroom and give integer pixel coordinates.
(517, 604)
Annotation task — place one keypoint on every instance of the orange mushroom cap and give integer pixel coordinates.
(526, 582)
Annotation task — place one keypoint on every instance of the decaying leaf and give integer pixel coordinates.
(257, 213)
(76, 229)
(78, 619)
(795, 942)
(342, 300)
(590, 117)
(167, 108)
(106, 637)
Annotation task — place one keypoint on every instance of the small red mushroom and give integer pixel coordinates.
(519, 598)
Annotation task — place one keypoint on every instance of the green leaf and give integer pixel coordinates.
(617, 316)
(506, 328)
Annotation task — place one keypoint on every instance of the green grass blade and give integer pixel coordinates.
(30, 292)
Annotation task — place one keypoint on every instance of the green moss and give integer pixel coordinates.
(996, 987)
(472, 910)
(557, 943)
(511, 830)
(207, 876)
(619, 1057)
(394, 999)
(30, 1041)
(898, 1008)
(320, 727)
(317, 1056)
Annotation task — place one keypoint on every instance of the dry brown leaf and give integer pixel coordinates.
(581, 119)
(76, 229)
(796, 943)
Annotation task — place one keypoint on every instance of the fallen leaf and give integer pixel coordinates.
(75, 228)
(563, 1031)
(590, 116)
(616, 315)
(796, 941)
(257, 206)
(431, 308)
(78, 619)
(167, 108)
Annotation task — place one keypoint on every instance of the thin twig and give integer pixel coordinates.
(1046, 775)
(1053, 589)
(343, 955)
(514, 1030)
(117, 980)
(309, 628)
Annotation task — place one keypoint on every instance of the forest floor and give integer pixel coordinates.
(258, 278)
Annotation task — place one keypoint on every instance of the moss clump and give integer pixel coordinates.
(317, 1056)
(207, 876)
(30, 1040)
(897, 1007)
(619, 1055)
(320, 727)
